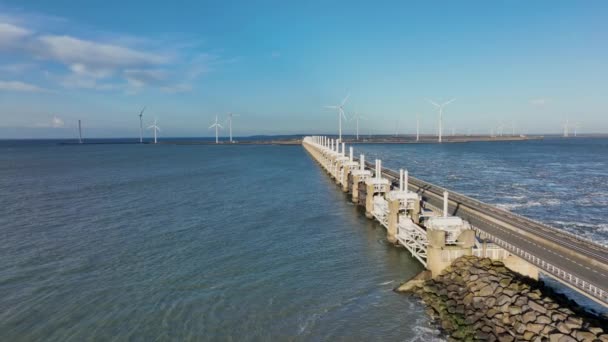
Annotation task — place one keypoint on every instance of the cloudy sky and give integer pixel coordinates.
(533, 65)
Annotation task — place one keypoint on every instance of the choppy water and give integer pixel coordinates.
(154, 243)
(561, 182)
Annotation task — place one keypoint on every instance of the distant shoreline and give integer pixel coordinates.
(292, 141)
(296, 140)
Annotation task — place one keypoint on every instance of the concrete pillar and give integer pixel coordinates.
(416, 214)
(393, 220)
(439, 256)
(521, 266)
(345, 172)
(369, 201)
(434, 251)
(355, 188)
(466, 238)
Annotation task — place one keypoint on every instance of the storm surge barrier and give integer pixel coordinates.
(438, 226)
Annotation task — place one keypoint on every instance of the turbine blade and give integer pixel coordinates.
(331, 107)
(142, 111)
(345, 99)
(220, 126)
(433, 103)
(210, 127)
(343, 115)
(158, 128)
(447, 103)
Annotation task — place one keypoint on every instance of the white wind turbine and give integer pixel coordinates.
(217, 127)
(155, 128)
(576, 127)
(440, 107)
(141, 125)
(357, 116)
(340, 109)
(417, 127)
(230, 116)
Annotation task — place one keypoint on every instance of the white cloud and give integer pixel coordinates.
(20, 86)
(143, 77)
(86, 71)
(11, 35)
(94, 55)
(57, 122)
(105, 62)
(88, 61)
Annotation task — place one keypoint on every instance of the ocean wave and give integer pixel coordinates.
(529, 204)
(387, 282)
(425, 333)
(598, 232)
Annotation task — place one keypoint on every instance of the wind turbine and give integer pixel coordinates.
(500, 128)
(440, 107)
(566, 127)
(217, 126)
(397, 129)
(417, 127)
(357, 116)
(340, 109)
(141, 125)
(155, 128)
(230, 116)
(79, 132)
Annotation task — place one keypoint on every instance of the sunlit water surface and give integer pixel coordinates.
(156, 243)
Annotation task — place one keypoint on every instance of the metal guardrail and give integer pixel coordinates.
(589, 288)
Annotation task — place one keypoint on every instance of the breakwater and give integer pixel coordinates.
(440, 229)
(481, 299)
(437, 228)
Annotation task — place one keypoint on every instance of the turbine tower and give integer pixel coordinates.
(141, 125)
(79, 132)
(230, 116)
(340, 109)
(155, 128)
(417, 127)
(566, 127)
(217, 126)
(440, 107)
(357, 116)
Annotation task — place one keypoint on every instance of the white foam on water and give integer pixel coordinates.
(423, 332)
(530, 204)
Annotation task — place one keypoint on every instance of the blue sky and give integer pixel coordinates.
(534, 64)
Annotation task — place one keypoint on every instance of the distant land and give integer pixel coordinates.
(296, 139)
